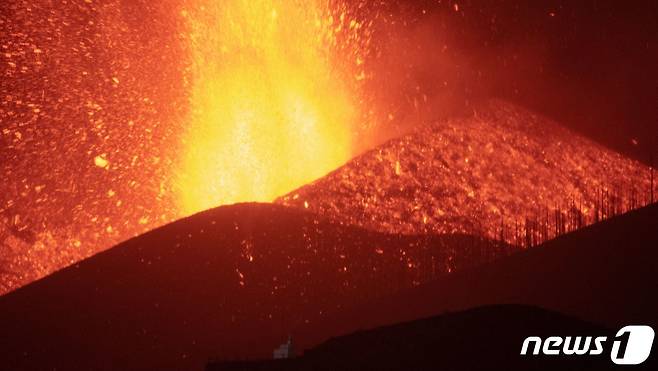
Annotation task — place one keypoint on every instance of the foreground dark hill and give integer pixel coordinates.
(229, 282)
(484, 338)
(605, 273)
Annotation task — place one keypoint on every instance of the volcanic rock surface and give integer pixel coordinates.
(484, 174)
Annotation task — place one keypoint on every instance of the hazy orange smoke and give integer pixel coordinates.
(270, 110)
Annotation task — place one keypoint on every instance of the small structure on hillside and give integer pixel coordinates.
(284, 350)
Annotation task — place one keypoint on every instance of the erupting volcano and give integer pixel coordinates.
(119, 117)
(191, 179)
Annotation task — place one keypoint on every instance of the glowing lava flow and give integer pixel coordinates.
(269, 109)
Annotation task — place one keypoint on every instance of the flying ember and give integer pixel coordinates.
(118, 117)
(269, 108)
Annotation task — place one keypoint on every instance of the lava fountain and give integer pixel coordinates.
(269, 108)
(118, 117)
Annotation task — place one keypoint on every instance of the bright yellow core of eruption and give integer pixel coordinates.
(268, 110)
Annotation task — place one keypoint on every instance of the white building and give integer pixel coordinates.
(284, 350)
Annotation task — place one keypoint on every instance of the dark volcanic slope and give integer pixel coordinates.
(605, 273)
(484, 338)
(228, 282)
(497, 167)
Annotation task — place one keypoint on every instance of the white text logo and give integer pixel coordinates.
(631, 345)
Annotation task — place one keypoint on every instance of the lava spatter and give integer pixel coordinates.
(271, 109)
(113, 115)
(503, 173)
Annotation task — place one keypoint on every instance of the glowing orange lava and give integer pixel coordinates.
(269, 109)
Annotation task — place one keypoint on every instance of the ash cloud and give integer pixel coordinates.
(586, 65)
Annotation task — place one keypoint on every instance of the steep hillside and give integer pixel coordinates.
(502, 171)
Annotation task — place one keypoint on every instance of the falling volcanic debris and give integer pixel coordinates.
(503, 173)
(86, 127)
(118, 117)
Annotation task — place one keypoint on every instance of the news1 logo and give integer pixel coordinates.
(630, 346)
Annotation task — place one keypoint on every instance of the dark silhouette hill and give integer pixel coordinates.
(233, 282)
(483, 338)
(229, 282)
(604, 273)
